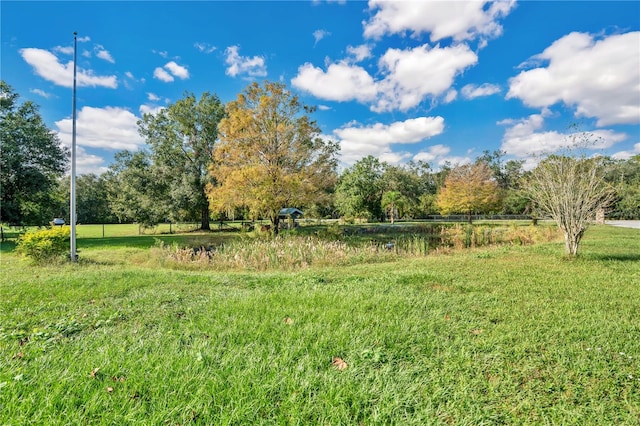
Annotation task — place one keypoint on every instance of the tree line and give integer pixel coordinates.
(204, 161)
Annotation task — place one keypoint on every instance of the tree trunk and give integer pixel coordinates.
(275, 224)
(469, 218)
(571, 243)
(204, 219)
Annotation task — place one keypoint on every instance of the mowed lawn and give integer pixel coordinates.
(499, 335)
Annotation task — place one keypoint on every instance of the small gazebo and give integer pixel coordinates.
(290, 214)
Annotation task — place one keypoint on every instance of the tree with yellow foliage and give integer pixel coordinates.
(270, 155)
(468, 189)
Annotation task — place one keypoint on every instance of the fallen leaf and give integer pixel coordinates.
(288, 321)
(339, 363)
(94, 372)
(447, 317)
(118, 379)
(19, 355)
(476, 331)
(109, 389)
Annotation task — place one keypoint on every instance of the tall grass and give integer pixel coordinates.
(292, 251)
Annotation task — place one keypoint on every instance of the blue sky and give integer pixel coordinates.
(414, 80)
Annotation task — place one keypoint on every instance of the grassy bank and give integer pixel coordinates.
(508, 334)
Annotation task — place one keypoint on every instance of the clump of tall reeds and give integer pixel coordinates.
(282, 253)
(293, 252)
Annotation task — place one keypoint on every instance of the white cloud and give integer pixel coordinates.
(177, 70)
(410, 131)
(103, 54)
(434, 152)
(110, 128)
(47, 66)
(414, 74)
(150, 109)
(131, 79)
(450, 96)
(359, 53)
(599, 78)
(394, 157)
(341, 82)
(472, 91)
(410, 76)
(41, 92)
(88, 163)
(324, 107)
(522, 139)
(162, 53)
(204, 47)
(460, 20)
(83, 39)
(319, 35)
(153, 97)
(358, 141)
(438, 155)
(250, 66)
(625, 155)
(162, 75)
(169, 71)
(66, 50)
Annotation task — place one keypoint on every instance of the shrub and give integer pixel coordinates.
(45, 244)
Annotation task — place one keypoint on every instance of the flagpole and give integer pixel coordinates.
(73, 255)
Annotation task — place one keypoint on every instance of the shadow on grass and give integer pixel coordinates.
(138, 241)
(7, 246)
(620, 257)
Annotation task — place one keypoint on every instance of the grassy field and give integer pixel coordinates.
(499, 335)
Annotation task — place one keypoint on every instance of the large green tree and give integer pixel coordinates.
(134, 192)
(181, 141)
(92, 200)
(624, 175)
(270, 155)
(359, 190)
(31, 162)
(394, 204)
(508, 174)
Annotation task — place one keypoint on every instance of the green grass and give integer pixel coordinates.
(500, 335)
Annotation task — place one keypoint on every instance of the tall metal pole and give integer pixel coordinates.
(74, 257)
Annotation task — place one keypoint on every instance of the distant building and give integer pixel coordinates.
(290, 214)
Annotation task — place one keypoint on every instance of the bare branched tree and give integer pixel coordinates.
(570, 190)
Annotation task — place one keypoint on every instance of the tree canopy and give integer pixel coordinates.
(270, 155)
(359, 190)
(92, 200)
(468, 189)
(31, 159)
(570, 190)
(181, 141)
(624, 175)
(134, 191)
